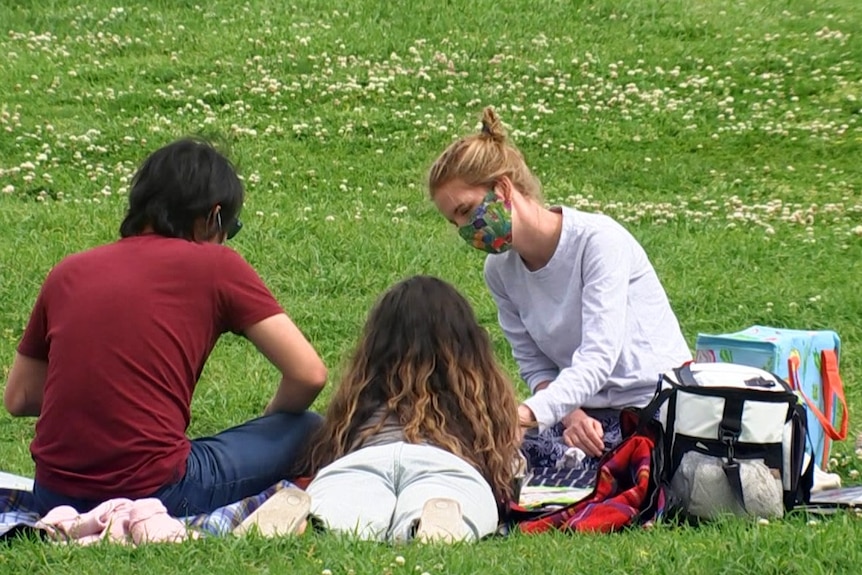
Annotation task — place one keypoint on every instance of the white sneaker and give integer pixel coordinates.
(441, 520)
(284, 513)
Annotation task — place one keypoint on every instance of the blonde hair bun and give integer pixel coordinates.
(492, 127)
(484, 157)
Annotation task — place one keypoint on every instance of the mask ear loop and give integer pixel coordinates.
(218, 222)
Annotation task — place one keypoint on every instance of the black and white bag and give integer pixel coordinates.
(734, 441)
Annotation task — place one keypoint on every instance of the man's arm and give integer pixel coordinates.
(25, 386)
(303, 373)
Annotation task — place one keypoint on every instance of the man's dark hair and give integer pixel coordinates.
(178, 184)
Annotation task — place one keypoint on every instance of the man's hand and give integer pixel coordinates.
(584, 432)
(303, 374)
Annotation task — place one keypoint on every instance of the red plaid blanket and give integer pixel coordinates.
(628, 492)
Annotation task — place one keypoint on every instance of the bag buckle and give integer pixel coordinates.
(728, 437)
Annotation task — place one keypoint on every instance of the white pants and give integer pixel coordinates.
(378, 492)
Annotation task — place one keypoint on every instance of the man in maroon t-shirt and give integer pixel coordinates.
(118, 338)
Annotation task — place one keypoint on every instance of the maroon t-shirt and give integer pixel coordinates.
(126, 329)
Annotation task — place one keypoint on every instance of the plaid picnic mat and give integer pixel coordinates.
(17, 512)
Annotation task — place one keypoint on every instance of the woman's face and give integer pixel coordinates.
(457, 201)
(482, 214)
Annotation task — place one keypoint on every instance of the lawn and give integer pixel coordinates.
(725, 135)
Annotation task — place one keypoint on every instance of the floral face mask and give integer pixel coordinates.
(490, 226)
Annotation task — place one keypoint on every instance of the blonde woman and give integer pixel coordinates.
(588, 321)
(420, 438)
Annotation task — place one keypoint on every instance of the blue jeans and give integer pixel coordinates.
(222, 469)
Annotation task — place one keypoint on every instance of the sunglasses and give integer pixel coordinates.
(233, 229)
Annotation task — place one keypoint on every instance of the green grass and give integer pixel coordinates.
(725, 135)
(789, 547)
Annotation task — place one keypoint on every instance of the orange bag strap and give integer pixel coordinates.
(793, 372)
(832, 387)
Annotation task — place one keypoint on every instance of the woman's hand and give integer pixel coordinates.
(526, 420)
(584, 432)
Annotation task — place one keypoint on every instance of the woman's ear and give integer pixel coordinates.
(504, 188)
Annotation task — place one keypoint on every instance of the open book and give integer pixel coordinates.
(10, 481)
(841, 497)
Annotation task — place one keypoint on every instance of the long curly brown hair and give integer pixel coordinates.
(425, 361)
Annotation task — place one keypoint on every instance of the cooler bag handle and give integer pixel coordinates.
(832, 386)
(684, 374)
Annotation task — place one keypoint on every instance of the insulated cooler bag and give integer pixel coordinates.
(734, 441)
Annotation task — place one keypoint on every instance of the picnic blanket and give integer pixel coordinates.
(622, 494)
(627, 491)
(17, 512)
